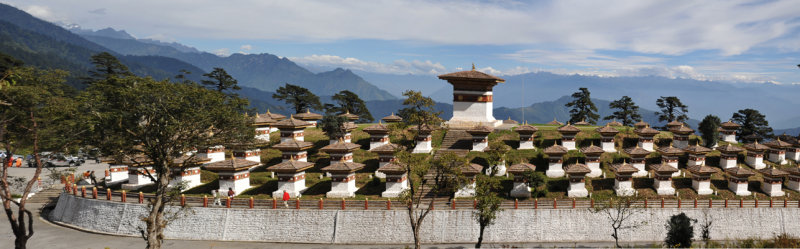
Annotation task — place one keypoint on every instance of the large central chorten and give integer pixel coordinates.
(472, 98)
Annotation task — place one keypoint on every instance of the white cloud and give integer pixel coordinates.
(663, 27)
(246, 47)
(396, 67)
(222, 52)
(42, 12)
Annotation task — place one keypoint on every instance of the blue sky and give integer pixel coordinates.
(741, 41)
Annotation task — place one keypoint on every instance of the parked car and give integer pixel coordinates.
(58, 160)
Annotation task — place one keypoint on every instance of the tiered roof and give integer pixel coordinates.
(275, 116)
(555, 122)
(702, 170)
(308, 116)
(568, 129)
(592, 150)
(614, 123)
(389, 148)
(669, 151)
(674, 124)
(480, 130)
(664, 169)
(341, 147)
(778, 144)
(423, 129)
(577, 169)
(607, 130)
(697, 150)
(510, 121)
(293, 145)
(343, 167)
(756, 147)
(640, 124)
(233, 164)
(392, 118)
(262, 120)
(795, 171)
(392, 168)
(682, 130)
(471, 75)
(292, 123)
(349, 116)
(378, 128)
(291, 167)
(646, 131)
(623, 169)
(582, 122)
(636, 152)
(773, 172)
(526, 129)
(730, 125)
(521, 168)
(729, 149)
(556, 150)
(739, 172)
(471, 169)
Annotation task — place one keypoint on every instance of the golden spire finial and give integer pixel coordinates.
(268, 110)
(291, 116)
(379, 122)
(473, 66)
(308, 110)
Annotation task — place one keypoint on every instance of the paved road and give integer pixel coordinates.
(26, 172)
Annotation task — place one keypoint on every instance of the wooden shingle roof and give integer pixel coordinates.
(343, 167)
(521, 168)
(577, 169)
(392, 168)
(637, 152)
(729, 149)
(555, 150)
(669, 151)
(664, 168)
(739, 172)
(592, 150)
(755, 147)
(473, 75)
(624, 169)
(526, 129)
(697, 150)
(293, 145)
(702, 170)
(392, 118)
(308, 116)
(471, 169)
(234, 164)
(341, 146)
(291, 167)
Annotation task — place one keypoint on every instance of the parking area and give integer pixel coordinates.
(28, 172)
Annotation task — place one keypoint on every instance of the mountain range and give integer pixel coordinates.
(43, 44)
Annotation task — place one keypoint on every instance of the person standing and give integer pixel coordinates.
(217, 201)
(286, 198)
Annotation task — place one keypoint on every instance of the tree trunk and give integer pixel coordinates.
(417, 244)
(480, 237)
(155, 220)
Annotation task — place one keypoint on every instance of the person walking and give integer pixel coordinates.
(217, 201)
(286, 198)
(19, 162)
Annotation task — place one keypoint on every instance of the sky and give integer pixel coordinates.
(740, 41)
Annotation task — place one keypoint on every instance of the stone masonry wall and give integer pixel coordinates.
(391, 226)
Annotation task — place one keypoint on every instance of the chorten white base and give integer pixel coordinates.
(624, 188)
(608, 147)
(295, 189)
(577, 189)
(773, 190)
(554, 170)
(570, 145)
(680, 144)
(778, 158)
(423, 147)
(702, 187)
(739, 189)
(520, 190)
(663, 187)
(648, 146)
(526, 145)
(725, 163)
(728, 138)
(479, 146)
(755, 162)
(393, 188)
(341, 189)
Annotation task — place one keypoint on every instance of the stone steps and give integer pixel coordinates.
(45, 196)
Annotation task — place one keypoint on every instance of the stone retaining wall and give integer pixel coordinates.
(391, 226)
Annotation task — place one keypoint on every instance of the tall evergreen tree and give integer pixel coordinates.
(753, 122)
(106, 67)
(582, 107)
(627, 111)
(220, 80)
(671, 109)
(333, 125)
(350, 102)
(299, 97)
(488, 203)
(709, 130)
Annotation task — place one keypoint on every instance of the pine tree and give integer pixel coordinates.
(300, 97)
(582, 107)
(679, 231)
(671, 109)
(106, 67)
(350, 102)
(220, 80)
(753, 122)
(627, 111)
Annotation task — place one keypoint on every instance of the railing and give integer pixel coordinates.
(458, 204)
